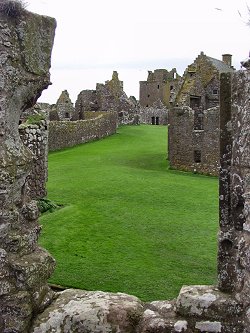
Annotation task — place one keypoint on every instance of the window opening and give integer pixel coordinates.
(197, 156)
(195, 102)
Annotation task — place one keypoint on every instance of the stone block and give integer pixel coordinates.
(33, 270)
(90, 311)
(207, 302)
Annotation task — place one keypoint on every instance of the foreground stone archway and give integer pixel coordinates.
(26, 302)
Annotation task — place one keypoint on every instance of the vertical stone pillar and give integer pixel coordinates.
(240, 181)
(26, 42)
(234, 236)
(35, 137)
(226, 252)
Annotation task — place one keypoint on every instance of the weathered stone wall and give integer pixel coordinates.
(86, 101)
(234, 241)
(198, 309)
(161, 85)
(191, 149)
(200, 83)
(64, 107)
(64, 134)
(154, 115)
(35, 138)
(26, 41)
(108, 97)
(26, 302)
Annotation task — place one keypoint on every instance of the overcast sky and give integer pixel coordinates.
(95, 37)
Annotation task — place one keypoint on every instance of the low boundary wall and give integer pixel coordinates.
(63, 134)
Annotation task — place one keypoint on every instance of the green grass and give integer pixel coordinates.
(129, 223)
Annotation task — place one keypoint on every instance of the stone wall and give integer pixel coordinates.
(64, 107)
(198, 309)
(191, 147)
(64, 134)
(200, 86)
(154, 115)
(108, 97)
(35, 138)
(161, 85)
(26, 42)
(234, 241)
(86, 101)
(27, 304)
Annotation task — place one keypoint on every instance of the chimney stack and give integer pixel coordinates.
(227, 59)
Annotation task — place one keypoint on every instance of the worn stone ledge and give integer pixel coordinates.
(88, 311)
(207, 302)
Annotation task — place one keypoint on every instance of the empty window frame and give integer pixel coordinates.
(195, 101)
(197, 156)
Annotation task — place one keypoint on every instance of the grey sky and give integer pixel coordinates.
(95, 37)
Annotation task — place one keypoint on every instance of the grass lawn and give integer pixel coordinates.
(129, 223)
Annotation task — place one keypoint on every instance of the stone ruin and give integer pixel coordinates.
(161, 85)
(35, 138)
(63, 110)
(194, 145)
(108, 97)
(64, 107)
(157, 95)
(26, 43)
(157, 114)
(27, 304)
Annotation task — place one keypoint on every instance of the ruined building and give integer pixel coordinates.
(64, 107)
(157, 114)
(161, 86)
(192, 148)
(200, 82)
(108, 97)
(63, 110)
(157, 95)
(194, 122)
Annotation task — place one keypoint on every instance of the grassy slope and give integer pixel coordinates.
(130, 224)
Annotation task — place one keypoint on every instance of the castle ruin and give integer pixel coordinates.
(161, 85)
(194, 119)
(157, 95)
(108, 97)
(190, 146)
(64, 107)
(27, 304)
